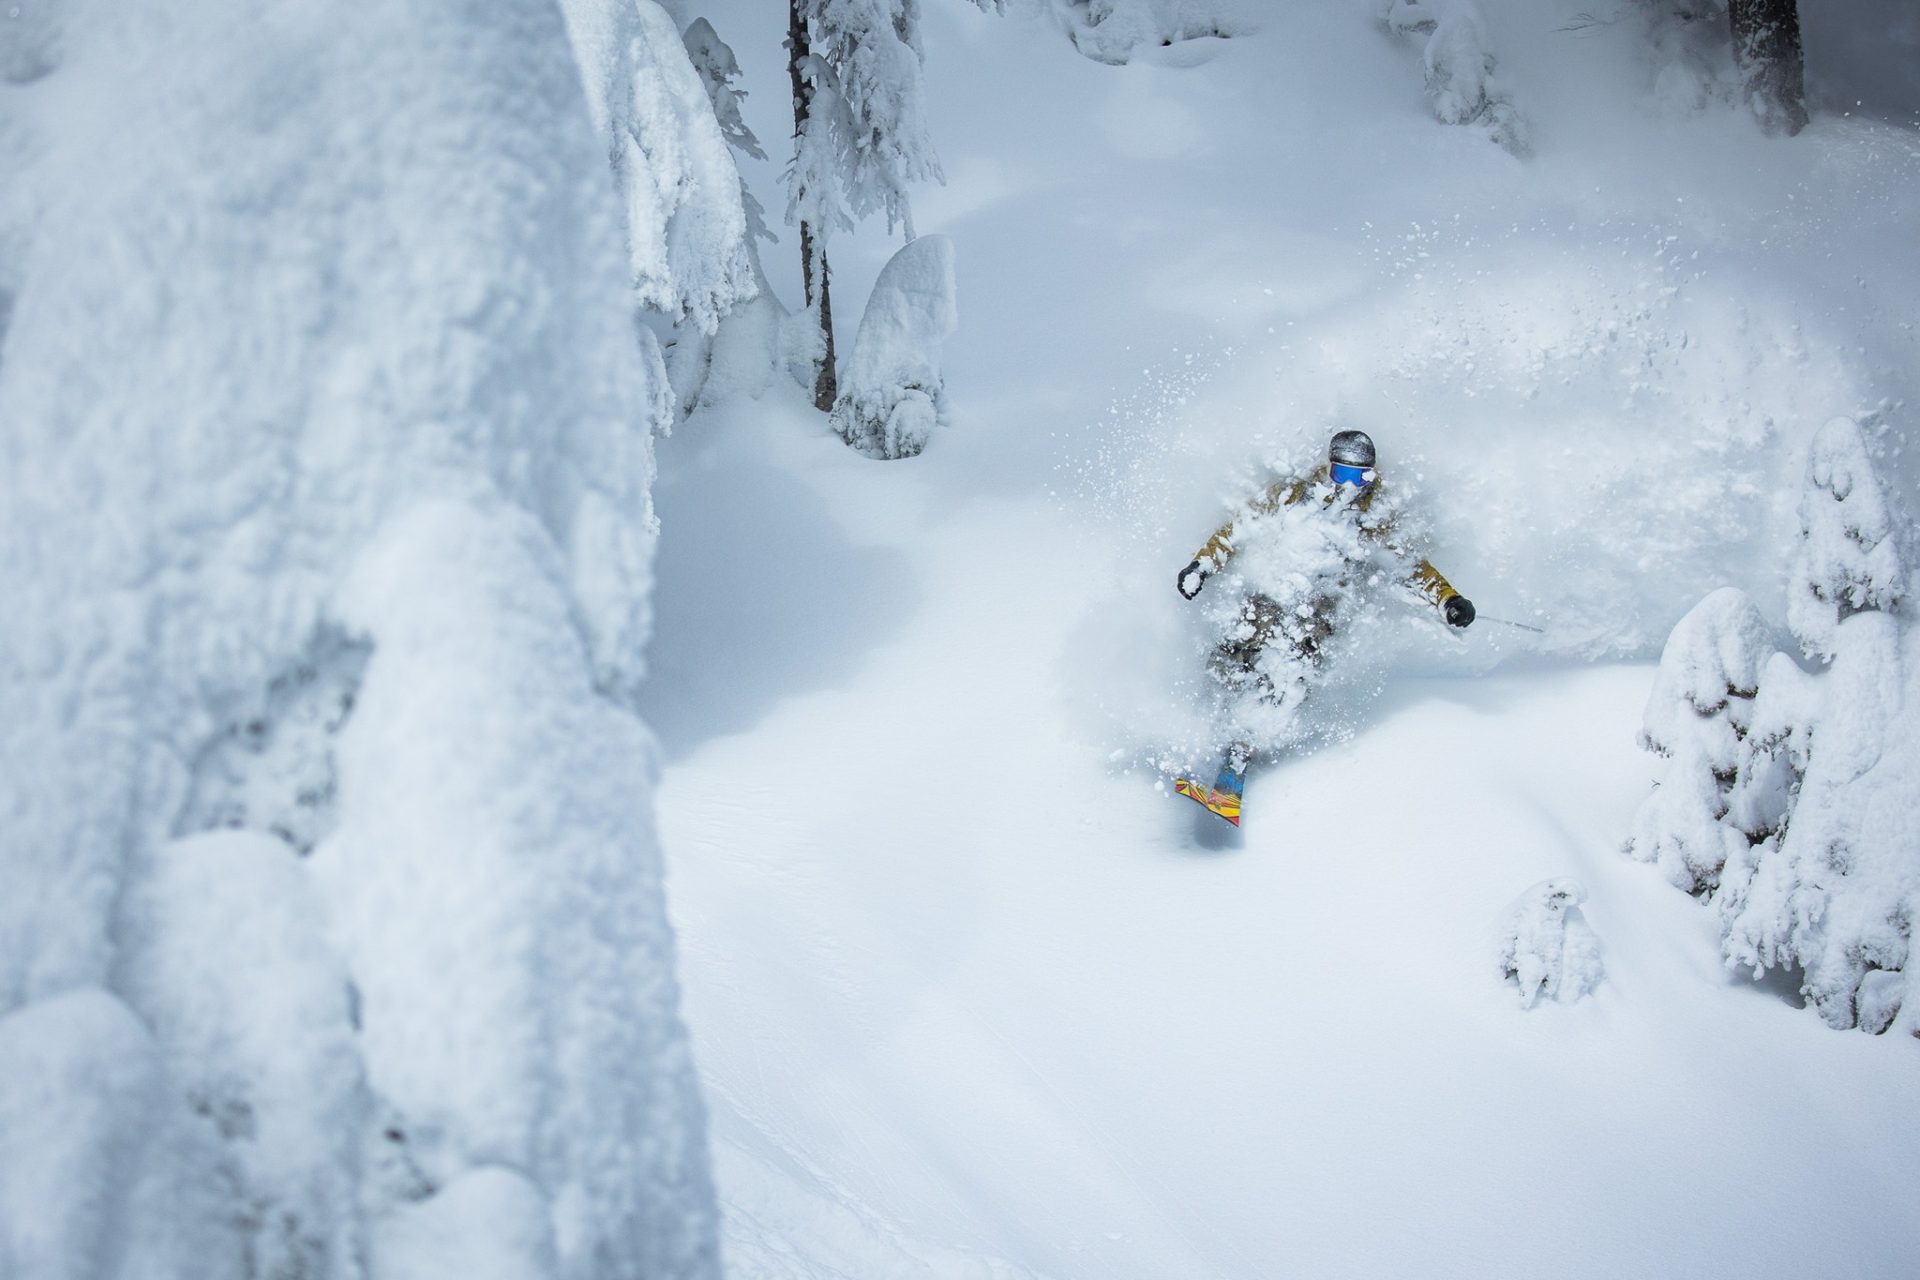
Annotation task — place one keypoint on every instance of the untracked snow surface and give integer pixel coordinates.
(971, 991)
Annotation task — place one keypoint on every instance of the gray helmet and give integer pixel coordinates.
(1351, 449)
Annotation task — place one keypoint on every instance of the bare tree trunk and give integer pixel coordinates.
(813, 267)
(1766, 45)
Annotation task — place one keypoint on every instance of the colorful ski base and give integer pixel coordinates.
(1221, 799)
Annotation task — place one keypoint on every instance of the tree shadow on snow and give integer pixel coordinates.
(758, 596)
(1784, 983)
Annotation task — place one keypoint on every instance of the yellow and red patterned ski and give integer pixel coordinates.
(1222, 802)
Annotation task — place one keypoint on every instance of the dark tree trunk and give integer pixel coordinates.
(1766, 44)
(813, 266)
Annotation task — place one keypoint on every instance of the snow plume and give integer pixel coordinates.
(891, 392)
(687, 230)
(303, 306)
(1462, 87)
(1545, 947)
(1298, 608)
(1788, 797)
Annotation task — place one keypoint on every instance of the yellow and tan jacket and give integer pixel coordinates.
(1421, 576)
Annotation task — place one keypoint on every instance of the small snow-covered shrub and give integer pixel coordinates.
(1805, 782)
(1111, 31)
(891, 392)
(1697, 717)
(1463, 87)
(1544, 946)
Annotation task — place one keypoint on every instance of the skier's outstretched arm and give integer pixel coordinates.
(1214, 556)
(1433, 585)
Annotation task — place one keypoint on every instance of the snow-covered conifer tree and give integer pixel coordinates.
(1697, 717)
(1827, 892)
(352, 551)
(891, 396)
(860, 138)
(1808, 788)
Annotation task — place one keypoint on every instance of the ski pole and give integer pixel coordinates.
(1507, 622)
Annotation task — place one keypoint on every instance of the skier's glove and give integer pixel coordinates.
(1459, 611)
(1190, 579)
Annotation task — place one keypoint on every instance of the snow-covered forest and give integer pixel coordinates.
(595, 655)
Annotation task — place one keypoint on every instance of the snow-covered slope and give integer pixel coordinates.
(971, 992)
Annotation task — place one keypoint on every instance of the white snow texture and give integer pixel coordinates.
(325, 507)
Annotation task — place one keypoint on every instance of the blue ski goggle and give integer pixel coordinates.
(1359, 477)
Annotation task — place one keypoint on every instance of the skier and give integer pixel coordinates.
(1345, 490)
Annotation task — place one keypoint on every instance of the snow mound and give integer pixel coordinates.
(892, 394)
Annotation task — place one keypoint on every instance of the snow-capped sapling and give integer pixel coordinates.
(1544, 946)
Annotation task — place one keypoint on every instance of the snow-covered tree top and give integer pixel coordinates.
(866, 137)
(1715, 653)
(1847, 560)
